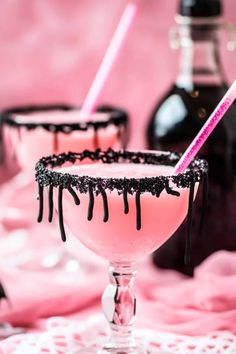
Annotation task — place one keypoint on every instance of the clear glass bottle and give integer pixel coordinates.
(177, 118)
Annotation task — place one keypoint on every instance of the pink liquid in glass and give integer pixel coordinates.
(118, 239)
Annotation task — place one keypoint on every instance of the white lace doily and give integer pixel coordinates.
(67, 337)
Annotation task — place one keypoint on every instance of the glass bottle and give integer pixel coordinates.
(177, 118)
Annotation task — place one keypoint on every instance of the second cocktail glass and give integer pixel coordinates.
(122, 205)
(35, 131)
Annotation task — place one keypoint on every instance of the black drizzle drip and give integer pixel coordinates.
(125, 200)
(95, 139)
(3, 294)
(60, 214)
(204, 202)
(50, 204)
(189, 225)
(47, 177)
(19, 133)
(55, 142)
(74, 195)
(138, 210)
(91, 202)
(40, 197)
(105, 204)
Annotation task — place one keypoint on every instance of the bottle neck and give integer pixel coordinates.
(199, 59)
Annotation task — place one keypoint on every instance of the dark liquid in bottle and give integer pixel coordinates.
(175, 122)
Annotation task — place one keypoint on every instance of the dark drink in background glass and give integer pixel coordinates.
(178, 117)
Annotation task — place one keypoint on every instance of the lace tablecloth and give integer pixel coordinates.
(69, 337)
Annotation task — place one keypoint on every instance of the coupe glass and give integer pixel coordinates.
(35, 131)
(122, 205)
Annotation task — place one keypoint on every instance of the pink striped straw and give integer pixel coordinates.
(206, 130)
(109, 58)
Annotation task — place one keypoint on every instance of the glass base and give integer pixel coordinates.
(135, 350)
(132, 350)
(113, 351)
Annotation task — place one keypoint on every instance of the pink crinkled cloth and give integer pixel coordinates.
(195, 306)
(166, 300)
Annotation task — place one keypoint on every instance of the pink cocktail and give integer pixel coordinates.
(38, 131)
(122, 205)
(42, 130)
(35, 131)
(123, 245)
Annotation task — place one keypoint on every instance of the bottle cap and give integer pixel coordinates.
(200, 8)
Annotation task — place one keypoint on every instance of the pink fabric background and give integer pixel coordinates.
(50, 51)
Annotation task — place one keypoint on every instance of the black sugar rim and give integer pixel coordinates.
(118, 117)
(94, 186)
(155, 185)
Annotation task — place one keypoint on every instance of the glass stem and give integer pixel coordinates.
(119, 306)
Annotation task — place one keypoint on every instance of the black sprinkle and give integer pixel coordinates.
(91, 202)
(153, 185)
(40, 194)
(60, 214)
(74, 195)
(125, 200)
(50, 203)
(138, 210)
(117, 117)
(189, 226)
(105, 204)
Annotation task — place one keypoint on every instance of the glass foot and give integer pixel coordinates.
(117, 351)
(120, 351)
(134, 350)
(124, 351)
